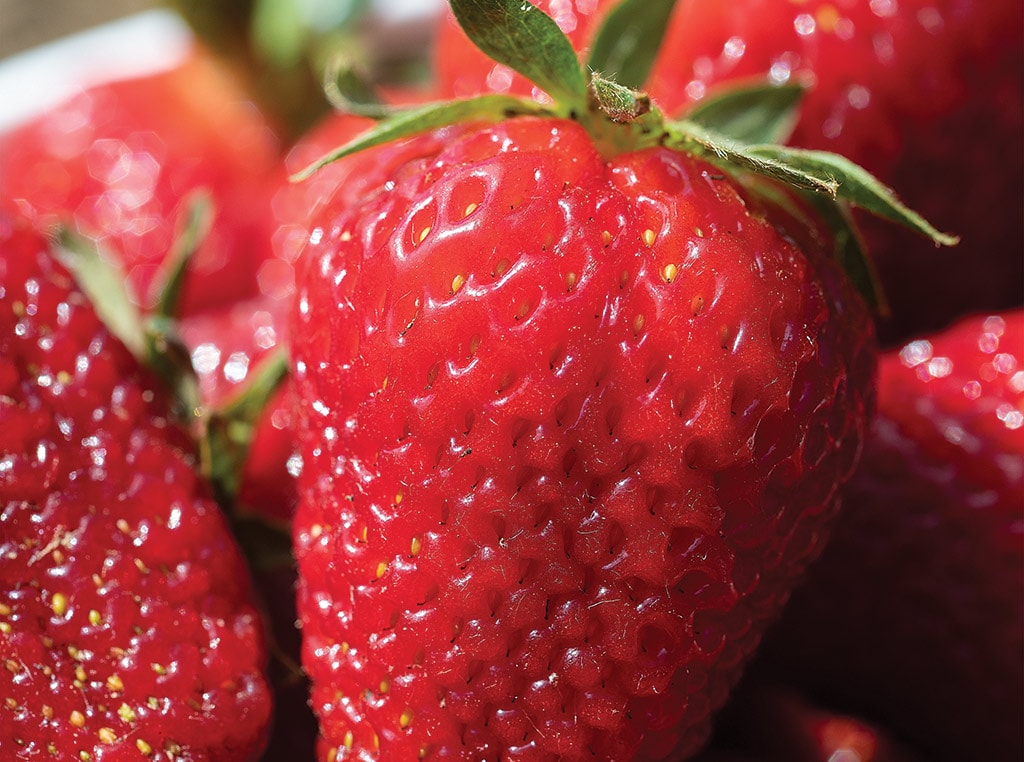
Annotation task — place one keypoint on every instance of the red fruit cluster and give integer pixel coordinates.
(126, 626)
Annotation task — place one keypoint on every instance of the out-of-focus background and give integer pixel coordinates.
(27, 23)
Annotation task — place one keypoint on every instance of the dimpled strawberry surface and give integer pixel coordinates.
(126, 628)
(572, 427)
(926, 94)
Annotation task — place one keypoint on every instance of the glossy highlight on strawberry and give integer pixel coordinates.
(572, 429)
(126, 625)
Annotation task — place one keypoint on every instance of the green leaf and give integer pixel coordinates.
(628, 41)
(732, 155)
(230, 428)
(757, 113)
(278, 31)
(522, 37)
(849, 249)
(197, 219)
(350, 92)
(168, 357)
(421, 119)
(104, 282)
(853, 184)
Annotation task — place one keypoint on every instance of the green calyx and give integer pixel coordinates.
(222, 434)
(741, 131)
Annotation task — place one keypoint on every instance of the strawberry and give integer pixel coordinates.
(914, 90)
(574, 411)
(915, 614)
(126, 625)
(121, 157)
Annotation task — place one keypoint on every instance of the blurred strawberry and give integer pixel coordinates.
(119, 159)
(126, 623)
(915, 614)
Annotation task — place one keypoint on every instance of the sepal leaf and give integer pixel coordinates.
(413, 121)
(853, 184)
(522, 37)
(755, 113)
(628, 41)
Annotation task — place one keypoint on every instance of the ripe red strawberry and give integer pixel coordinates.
(574, 414)
(928, 95)
(126, 627)
(916, 612)
(121, 158)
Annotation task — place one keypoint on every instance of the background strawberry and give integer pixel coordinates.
(929, 96)
(915, 615)
(121, 159)
(126, 626)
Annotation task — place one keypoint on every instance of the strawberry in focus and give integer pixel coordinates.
(126, 622)
(915, 614)
(929, 96)
(574, 412)
(119, 159)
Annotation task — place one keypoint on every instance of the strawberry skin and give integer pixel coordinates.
(126, 626)
(915, 613)
(119, 159)
(571, 429)
(926, 94)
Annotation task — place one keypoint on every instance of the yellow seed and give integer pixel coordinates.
(649, 237)
(114, 684)
(141, 566)
(470, 208)
(382, 567)
(332, 755)
(363, 536)
(11, 703)
(570, 281)
(606, 236)
(160, 669)
(47, 711)
(458, 282)
(349, 739)
(344, 647)
(97, 580)
(77, 719)
(95, 618)
(80, 675)
(376, 742)
(405, 718)
(84, 756)
(126, 713)
(107, 735)
(153, 702)
(12, 666)
(63, 377)
(59, 604)
(398, 498)
(123, 526)
(5, 628)
(385, 685)
(415, 546)
(669, 272)
(144, 747)
(5, 610)
(423, 234)
(638, 323)
(346, 236)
